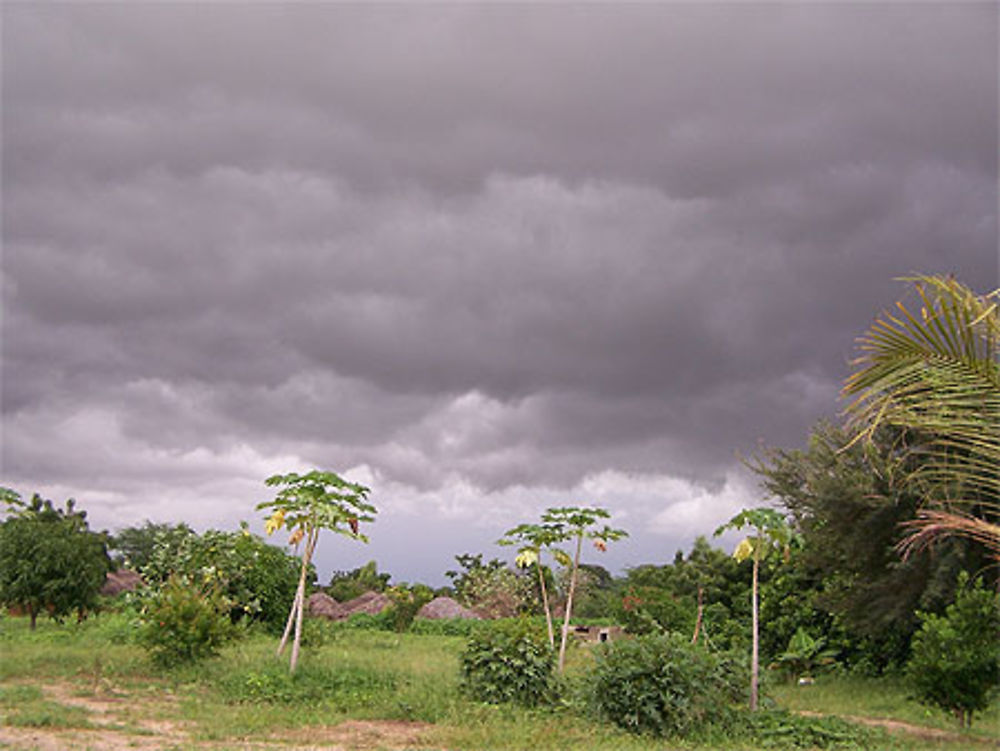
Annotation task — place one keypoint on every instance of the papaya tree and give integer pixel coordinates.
(306, 505)
(533, 539)
(578, 523)
(770, 532)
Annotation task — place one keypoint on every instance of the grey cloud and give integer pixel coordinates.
(487, 247)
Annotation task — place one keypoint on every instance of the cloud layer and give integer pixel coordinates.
(489, 257)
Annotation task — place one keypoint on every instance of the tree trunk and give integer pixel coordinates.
(545, 603)
(310, 547)
(569, 603)
(697, 622)
(754, 653)
(33, 614)
(300, 592)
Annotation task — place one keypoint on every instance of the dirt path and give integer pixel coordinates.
(120, 722)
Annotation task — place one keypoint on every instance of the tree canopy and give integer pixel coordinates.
(50, 561)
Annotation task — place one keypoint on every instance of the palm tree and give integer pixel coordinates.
(935, 374)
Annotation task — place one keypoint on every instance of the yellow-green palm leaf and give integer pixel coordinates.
(935, 373)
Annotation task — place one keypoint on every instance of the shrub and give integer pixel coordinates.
(509, 662)
(182, 622)
(956, 657)
(664, 685)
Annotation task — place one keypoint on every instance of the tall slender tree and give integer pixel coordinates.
(578, 523)
(770, 532)
(308, 504)
(533, 540)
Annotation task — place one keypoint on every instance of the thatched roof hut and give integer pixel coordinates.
(444, 607)
(322, 605)
(372, 603)
(120, 581)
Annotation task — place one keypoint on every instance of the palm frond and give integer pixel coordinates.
(936, 374)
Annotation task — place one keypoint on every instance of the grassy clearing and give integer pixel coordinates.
(366, 680)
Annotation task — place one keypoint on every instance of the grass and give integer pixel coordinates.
(246, 694)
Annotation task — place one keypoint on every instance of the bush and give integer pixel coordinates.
(509, 662)
(664, 685)
(184, 623)
(956, 657)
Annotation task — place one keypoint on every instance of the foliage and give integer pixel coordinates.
(347, 686)
(184, 622)
(956, 656)
(463, 627)
(532, 540)
(406, 601)
(848, 505)
(664, 685)
(258, 579)
(804, 656)
(510, 662)
(308, 504)
(664, 598)
(776, 728)
(577, 523)
(346, 585)
(49, 559)
(770, 531)
(134, 547)
(936, 376)
(490, 588)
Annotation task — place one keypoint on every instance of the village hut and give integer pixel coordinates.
(322, 605)
(120, 581)
(444, 607)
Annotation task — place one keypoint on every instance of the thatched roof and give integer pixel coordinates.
(445, 607)
(120, 581)
(372, 603)
(322, 605)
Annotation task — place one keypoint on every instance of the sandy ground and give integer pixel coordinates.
(123, 724)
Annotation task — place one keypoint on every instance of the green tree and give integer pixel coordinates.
(850, 504)
(935, 375)
(346, 585)
(308, 504)
(956, 656)
(770, 531)
(491, 588)
(49, 559)
(134, 546)
(533, 540)
(578, 523)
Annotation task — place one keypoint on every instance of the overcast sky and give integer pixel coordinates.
(482, 258)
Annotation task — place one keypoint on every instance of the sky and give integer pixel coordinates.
(482, 258)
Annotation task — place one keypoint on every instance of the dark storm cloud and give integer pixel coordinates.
(496, 247)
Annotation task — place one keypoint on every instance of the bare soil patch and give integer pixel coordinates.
(124, 721)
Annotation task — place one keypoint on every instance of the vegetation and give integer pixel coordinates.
(509, 662)
(50, 561)
(532, 540)
(257, 579)
(577, 523)
(490, 588)
(770, 531)
(956, 656)
(935, 376)
(183, 622)
(308, 504)
(665, 685)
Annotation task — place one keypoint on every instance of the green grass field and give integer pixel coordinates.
(87, 686)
